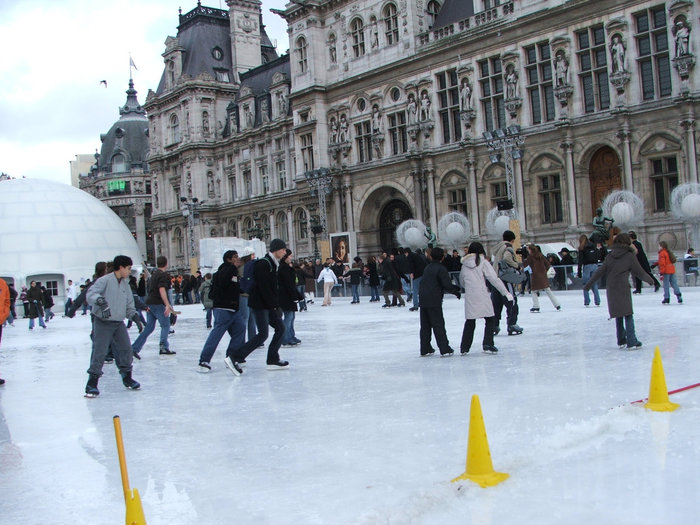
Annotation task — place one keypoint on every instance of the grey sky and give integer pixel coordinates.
(54, 56)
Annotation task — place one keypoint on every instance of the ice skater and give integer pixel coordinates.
(667, 269)
(4, 309)
(617, 267)
(434, 283)
(539, 280)
(112, 302)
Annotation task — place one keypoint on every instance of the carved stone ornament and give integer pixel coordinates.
(684, 65)
(513, 105)
(619, 80)
(563, 94)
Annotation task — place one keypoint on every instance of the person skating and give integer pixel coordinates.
(392, 282)
(36, 305)
(225, 296)
(289, 296)
(504, 252)
(4, 309)
(540, 282)
(264, 304)
(667, 269)
(329, 280)
(617, 267)
(643, 262)
(112, 302)
(433, 285)
(476, 271)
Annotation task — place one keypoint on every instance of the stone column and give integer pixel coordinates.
(273, 225)
(624, 136)
(689, 126)
(347, 188)
(568, 148)
(338, 210)
(473, 196)
(431, 199)
(140, 229)
(290, 231)
(520, 193)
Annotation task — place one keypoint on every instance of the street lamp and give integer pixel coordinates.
(190, 210)
(316, 228)
(320, 181)
(507, 141)
(256, 231)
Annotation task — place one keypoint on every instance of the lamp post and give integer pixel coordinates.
(316, 228)
(190, 210)
(504, 144)
(256, 231)
(320, 181)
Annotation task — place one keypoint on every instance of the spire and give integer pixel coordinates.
(132, 104)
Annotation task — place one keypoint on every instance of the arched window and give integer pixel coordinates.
(118, 163)
(265, 225)
(391, 24)
(171, 72)
(282, 230)
(178, 242)
(432, 9)
(247, 227)
(233, 229)
(301, 224)
(174, 129)
(301, 51)
(357, 30)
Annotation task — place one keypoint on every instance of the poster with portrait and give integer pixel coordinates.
(343, 246)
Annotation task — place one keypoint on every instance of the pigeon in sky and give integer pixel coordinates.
(103, 82)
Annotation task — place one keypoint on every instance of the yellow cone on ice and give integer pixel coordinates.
(479, 464)
(134, 509)
(658, 392)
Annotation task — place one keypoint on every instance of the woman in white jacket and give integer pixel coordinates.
(329, 280)
(477, 298)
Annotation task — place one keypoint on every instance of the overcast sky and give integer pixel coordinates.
(55, 53)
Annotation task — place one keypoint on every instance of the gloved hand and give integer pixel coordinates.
(459, 295)
(137, 320)
(102, 303)
(509, 297)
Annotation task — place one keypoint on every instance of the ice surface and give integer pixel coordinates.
(360, 429)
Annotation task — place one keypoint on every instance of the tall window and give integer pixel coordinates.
(491, 81)
(357, 31)
(247, 184)
(458, 200)
(539, 81)
(118, 163)
(593, 64)
(282, 230)
(179, 242)
(499, 191)
(397, 133)
(363, 137)
(174, 129)
(281, 174)
(432, 10)
(301, 224)
(233, 229)
(301, 51)
(652, 48)
(307, 151)
(488, 4)
(391, 24)
(550, 199)
(448, 96)
(664, 175)
(265, 179)
(234, 190)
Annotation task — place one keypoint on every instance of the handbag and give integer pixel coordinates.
(508, 274)
(551, 272)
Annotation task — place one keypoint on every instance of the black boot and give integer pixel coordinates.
(129, 382)
(91, 387)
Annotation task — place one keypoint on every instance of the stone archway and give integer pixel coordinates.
(604, 175)
(394, 213)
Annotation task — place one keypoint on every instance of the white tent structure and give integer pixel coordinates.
(53, 232)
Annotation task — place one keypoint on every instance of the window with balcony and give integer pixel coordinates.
(448, 98)
(491, 82)
(651, 36)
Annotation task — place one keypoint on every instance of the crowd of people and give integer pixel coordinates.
(248, 295)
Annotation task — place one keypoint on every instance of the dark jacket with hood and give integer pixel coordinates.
(265, 293)
(287, 289)
(621, 260)
(225, 287)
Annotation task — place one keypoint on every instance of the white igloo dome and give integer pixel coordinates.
(55, 232)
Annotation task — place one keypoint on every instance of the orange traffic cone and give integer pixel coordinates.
(479, 464)
(134, 509)
(658, 392)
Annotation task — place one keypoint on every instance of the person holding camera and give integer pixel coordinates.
(505, 252)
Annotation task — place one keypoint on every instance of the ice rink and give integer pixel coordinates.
(360, 429)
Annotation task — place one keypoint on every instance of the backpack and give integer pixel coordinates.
(247, 282)
(508, 274)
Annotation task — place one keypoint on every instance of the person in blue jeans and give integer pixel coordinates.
(418, 262)
(159, 309)
(288, 297)
(588, 256)
(355, 274)
(225, 294)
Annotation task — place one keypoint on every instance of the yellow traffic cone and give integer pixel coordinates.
(134, 509)
(658, 392)
(479, 464)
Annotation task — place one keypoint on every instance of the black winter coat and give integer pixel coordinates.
(226, 289)
(436, 281)
(288, 293)
(265, 293)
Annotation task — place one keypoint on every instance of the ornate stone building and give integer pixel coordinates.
(388, 103)
(120, 176)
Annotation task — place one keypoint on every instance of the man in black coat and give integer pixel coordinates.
(644, 263)
(433, 285)
(265, 306)
(392, 282)
(225, 294)
(417, 262)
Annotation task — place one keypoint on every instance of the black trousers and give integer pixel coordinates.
(499, 302)
(468, 333)
(432, 321)
(638, 283)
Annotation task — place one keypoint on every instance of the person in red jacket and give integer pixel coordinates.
(667, 269)
(4, 308)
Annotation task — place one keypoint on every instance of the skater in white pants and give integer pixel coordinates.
(539, 280)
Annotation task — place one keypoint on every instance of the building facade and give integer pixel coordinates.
(381, 108)
(120, 177)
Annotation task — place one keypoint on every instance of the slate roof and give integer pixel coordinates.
(453, 11)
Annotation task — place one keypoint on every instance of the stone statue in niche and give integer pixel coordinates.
(465, 96)
(424, 107)
(374, 35)
(248, 116)
(264, 117)
(334, 131)
(511, 82)
(617, 54)
(681, 33)
(205, 122)
(154, 189)
(210, 184)
(282, 103)
(343, 133)
(376, 119)
(332, 53)
(411, 109)
(561, 69)
(188, 183)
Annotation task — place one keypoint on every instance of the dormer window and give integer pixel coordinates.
(118, 163)
(432, 10)
(217, 53)
(301, 50)
(222, 75)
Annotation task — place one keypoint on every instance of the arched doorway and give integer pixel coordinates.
(393, 214)
(604, 175)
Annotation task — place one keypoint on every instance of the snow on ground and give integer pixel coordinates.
(360, 429)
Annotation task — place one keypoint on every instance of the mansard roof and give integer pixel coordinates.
(453, 11)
